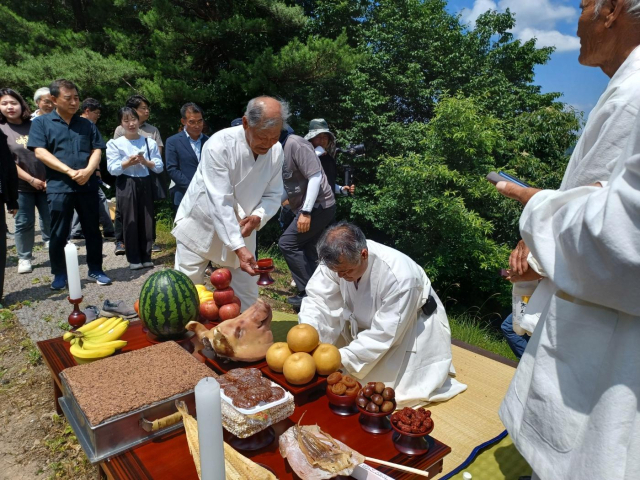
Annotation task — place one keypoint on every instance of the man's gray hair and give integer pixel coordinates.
(633, 7)
(39, 93)
(255, 114)
(342, 242)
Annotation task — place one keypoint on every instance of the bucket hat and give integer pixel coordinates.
(316, 127)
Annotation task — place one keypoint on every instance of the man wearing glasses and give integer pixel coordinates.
(143, 108)
(184, 152)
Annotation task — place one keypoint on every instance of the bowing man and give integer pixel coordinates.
(236, 189)
(378, 307)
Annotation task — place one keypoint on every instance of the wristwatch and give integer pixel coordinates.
(304, 212)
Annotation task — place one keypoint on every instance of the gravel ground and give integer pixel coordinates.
(44, 311)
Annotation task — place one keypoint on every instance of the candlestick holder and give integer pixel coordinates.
(76, 318)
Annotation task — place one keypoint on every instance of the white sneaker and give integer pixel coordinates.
(46, 245)
(24, 266)
(135, 266)
(148, 265)
(293, 283)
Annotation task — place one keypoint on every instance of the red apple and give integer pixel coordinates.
(237, 300)
(229, 311)
(221, 278)
(209, 311)
(223, 296)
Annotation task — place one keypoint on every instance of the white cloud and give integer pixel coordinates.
(534, 18)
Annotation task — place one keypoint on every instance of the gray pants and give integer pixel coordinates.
(299, 249)
(105, 218)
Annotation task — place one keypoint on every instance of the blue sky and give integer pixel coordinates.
(553, 23)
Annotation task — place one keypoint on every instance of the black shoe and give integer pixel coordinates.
(155, 248)
(110, 237)
(296, 300)
(77, 236)
(119, 250)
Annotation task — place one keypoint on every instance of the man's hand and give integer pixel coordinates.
(82, 176)
(12, 211)
(249, 224)
(518, 259)
(511, 190)
(304, 223)
(528, 276)
(247, 260)
(349, 190)
(38, 184)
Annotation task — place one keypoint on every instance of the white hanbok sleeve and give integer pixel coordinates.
(216, 166)
(323, 305)
(588, 239)
(397, 314)
(272, 197)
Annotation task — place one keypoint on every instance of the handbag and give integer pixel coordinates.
(158, 190)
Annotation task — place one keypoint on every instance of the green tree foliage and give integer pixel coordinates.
(438, 104)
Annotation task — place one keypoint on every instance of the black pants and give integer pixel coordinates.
(299, 249)
(61, 206)
(3, 247)
(135, 198)
(118, 224)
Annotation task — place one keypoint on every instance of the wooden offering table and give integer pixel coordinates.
(168, 457)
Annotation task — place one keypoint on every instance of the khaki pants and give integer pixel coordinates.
(193, 265)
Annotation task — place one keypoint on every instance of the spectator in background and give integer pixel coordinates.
(143, 108)
(42, 99)
(184, 152)
(324, 143)
(90, 109)
(8, 198)
(70, 147)
(130, 158)
(311, 200)
(15, 122)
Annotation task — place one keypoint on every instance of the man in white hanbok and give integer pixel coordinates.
(610, 40)
(573, 406)
(377, 305)
(236, 190)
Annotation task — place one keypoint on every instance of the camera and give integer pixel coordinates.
(352, 150)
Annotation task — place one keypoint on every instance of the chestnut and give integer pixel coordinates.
(377, 399)
(372, 408)
(373, 384)
(368, 391)
(379, 387)
(388, 393)
(362, 402)
(386, 407)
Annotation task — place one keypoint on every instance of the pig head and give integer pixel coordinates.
(245, 338)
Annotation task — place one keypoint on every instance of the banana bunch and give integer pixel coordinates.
(97, 339)
(203, 293)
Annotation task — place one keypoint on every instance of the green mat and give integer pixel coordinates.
(501, 461)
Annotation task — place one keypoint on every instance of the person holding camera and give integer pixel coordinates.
(311, 200)
(324, 143)
(130, 158)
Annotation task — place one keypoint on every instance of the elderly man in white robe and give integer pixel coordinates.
(235, 191)
(609, 34)
(377, 305)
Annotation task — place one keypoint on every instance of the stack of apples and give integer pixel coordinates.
(225, 305)
(302, 356)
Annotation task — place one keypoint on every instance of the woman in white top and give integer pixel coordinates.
(130, 158)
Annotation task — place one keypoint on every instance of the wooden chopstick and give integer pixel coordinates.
(397, 466)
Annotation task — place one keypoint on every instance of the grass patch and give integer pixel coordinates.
(64, 325)
(469, 330)
(31, 351)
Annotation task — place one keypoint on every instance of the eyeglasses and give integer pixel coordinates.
(194, 123)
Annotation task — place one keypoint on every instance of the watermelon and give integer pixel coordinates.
(168, 301)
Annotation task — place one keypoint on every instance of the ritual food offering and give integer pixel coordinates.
(303, 338)
(412, 421)
(277, 354)
(209, 311)
(299, 368)
(204, 294)
(246, 388)
(221, 278)
(245, 338)
(340, 384)
(97, 339)
(375, 397)
(327, 358)
(316, 455)
(168, 301)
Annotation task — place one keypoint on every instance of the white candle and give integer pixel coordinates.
(73, 271)
(210, 429)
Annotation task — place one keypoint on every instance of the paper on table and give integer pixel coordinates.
(73, 271)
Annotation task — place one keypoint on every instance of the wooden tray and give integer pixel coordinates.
(224, 367)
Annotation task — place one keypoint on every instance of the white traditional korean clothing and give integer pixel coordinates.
(229, 185)
(603, 140)
(379, 324)
(573, 407)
